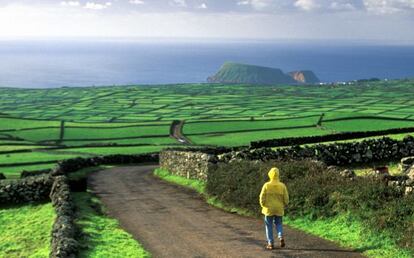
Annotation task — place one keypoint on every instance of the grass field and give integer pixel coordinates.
(137, 119)
(25, 231)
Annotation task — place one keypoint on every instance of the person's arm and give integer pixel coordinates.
(262, 197)
(286, 196)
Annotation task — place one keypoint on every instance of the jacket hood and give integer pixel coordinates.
(274, 174)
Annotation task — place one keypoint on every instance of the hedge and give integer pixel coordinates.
(317, 192)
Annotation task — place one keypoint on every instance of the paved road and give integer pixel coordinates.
(174, 222)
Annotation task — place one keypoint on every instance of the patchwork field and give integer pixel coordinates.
(38, 127)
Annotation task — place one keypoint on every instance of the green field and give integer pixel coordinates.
(137, 119)
(25, 230)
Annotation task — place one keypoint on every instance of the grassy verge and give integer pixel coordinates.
(342, 229)
(348, 232)
(25, 230)
(101, 235)
(199, 187)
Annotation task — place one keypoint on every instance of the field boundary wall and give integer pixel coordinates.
(290, 141)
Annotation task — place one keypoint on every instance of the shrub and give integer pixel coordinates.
(316, 192)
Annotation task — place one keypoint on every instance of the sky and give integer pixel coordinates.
(354, 20)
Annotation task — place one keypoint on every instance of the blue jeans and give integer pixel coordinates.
(269, 221)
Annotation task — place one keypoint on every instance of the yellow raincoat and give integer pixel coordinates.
(274, 195)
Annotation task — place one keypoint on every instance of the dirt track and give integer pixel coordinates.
(176, 131)
(174, 222)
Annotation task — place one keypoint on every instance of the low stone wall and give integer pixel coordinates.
(194, 165)
(26, 173)
(72, 165)
(30, 189)
(384, 149)
(64, 244)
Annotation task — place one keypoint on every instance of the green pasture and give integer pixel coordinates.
(365, 125)
(112, 150)
(15, 170)
(137, 119)
(229, 126)
(140, 104)
(5, 148)
(25, 230)
(92, 133)
(163, 140)
(33, 157)
(236, 139)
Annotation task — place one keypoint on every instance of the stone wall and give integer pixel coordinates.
(30, 189)
(290, 141)
(374, 150)
(26, 173)
(193, 165)
(64, 244)
(72, 165)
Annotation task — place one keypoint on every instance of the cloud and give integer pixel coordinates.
(261, 4)
(307, 5)
(202, 6)
(137, 2)
(96, 6)
(246, 2)
(340, 6)
(70, 3)
(389, 6)
(237, 21)
(179, 3)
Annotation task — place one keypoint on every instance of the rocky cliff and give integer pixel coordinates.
(304, 77)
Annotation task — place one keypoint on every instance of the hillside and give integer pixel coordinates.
(252, 74)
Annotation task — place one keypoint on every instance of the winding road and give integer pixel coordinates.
(171, 221)
(176, 132)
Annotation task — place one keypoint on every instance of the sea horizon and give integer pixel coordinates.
(55, 63)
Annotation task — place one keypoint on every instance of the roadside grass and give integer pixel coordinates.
(102, 236)
(342, 229)
(25, 230)
(348, 232)
(199, 187)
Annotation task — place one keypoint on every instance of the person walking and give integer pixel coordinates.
(273, 199)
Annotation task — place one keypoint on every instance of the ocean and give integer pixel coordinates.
(57, 63)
